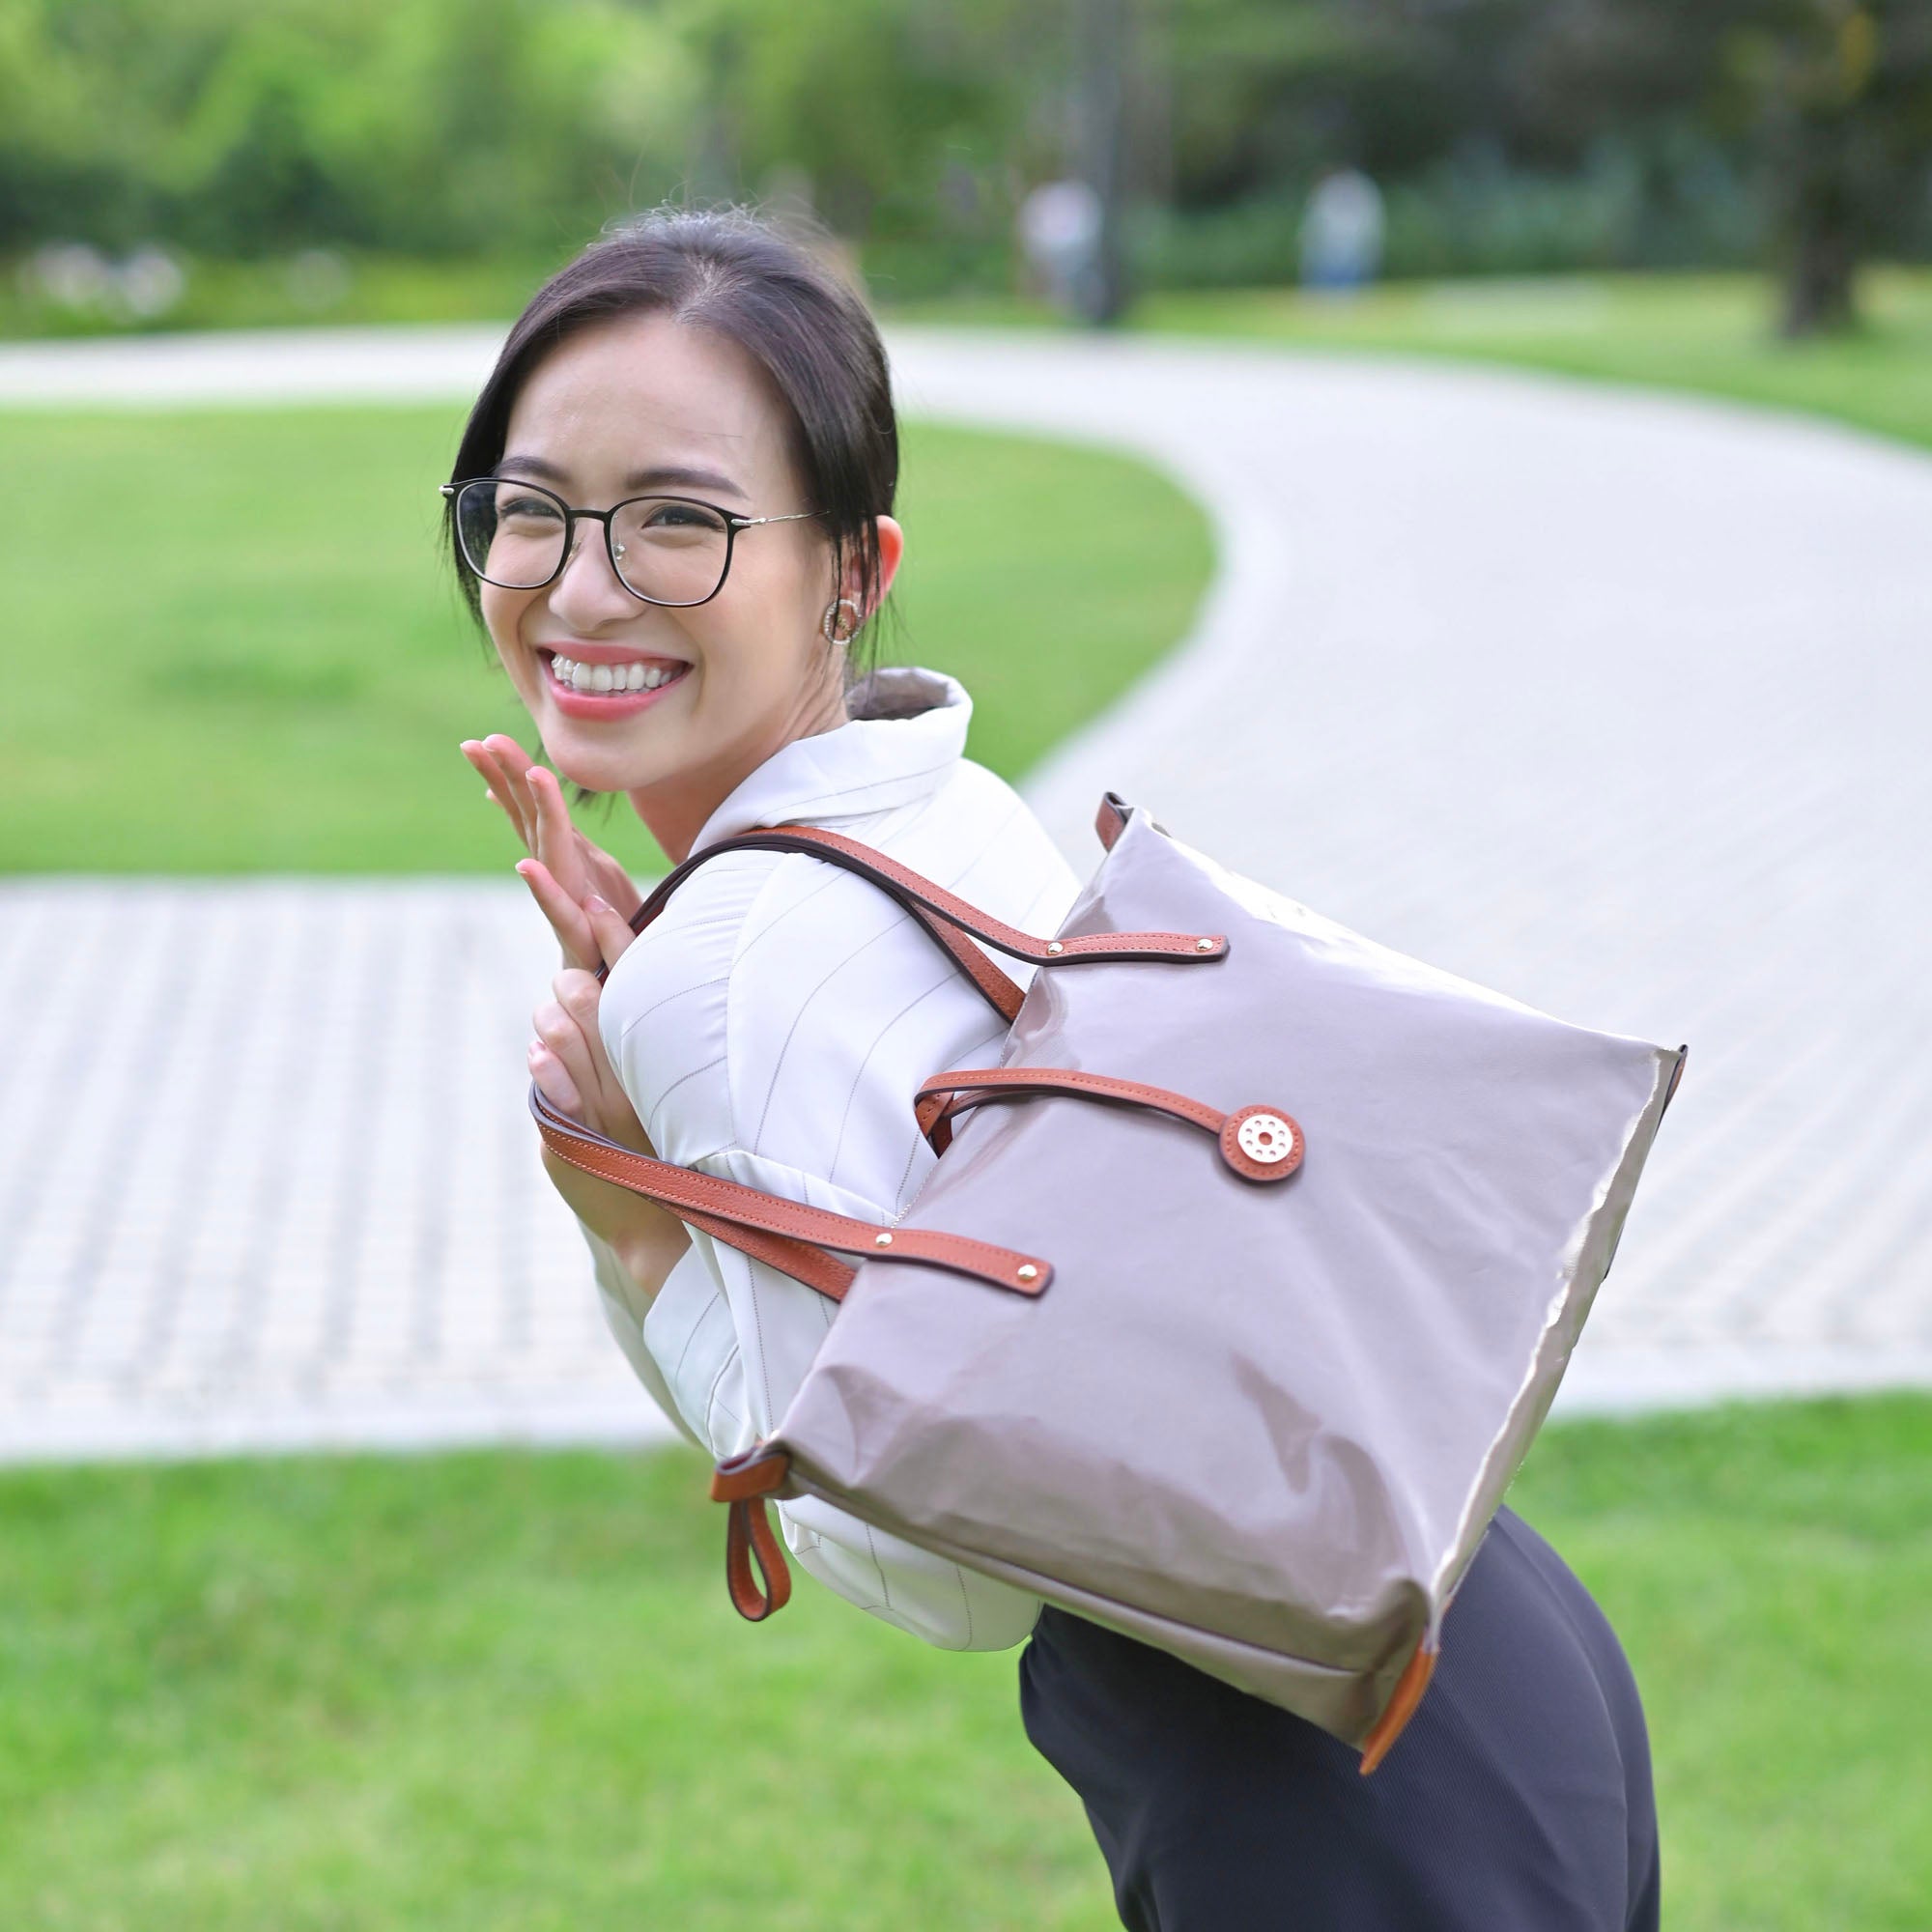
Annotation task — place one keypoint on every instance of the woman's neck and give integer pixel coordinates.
(678, 809)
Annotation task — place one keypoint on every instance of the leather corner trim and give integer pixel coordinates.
(1401, 1708)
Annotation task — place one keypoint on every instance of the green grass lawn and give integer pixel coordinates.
(1708, 334)
(504, 1690)
(231, 644)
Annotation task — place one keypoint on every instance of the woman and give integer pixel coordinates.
(670, 510)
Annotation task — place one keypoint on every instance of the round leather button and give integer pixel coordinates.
(1262, 1143)
(1267, 1138)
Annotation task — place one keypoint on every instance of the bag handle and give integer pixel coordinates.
(929, 902)
(787, 1234)
(1260, 1142)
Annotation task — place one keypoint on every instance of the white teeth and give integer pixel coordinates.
(635, 675)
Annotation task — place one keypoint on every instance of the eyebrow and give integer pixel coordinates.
(682, 476)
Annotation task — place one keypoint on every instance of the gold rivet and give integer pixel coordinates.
(1054, 946)
(1203, 945)
(1029, 1272)
(882, 1241)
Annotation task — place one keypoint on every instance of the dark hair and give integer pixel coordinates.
(770, 289)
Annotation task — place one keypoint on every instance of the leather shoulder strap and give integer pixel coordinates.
(932, 904)
(787, 1234)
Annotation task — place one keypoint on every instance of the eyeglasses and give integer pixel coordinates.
(665, 549)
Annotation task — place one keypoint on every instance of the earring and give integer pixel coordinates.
(830, 619)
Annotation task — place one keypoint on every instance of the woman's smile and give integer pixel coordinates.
(592, 681)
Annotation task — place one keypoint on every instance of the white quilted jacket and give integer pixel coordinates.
(770, 1028)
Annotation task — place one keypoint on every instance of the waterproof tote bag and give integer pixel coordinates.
(1238, 1290)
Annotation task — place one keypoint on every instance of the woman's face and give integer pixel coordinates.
(643, 402)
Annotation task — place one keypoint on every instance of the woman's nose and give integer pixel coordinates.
(588, 585)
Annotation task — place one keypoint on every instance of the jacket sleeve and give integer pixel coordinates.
(625, 1311)
(732, 1339)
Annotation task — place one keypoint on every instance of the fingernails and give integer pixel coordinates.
(594, 905)
(524, 868)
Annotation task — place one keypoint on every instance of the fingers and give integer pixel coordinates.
(499, 760)
(558, 842)
(554, 1083)
(567, 919)
(608, 878)
(579, 997)
(549, 1056)
(556, 835)
(611, 929)
(513, 761)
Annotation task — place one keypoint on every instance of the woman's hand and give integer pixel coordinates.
(568, 1062)
(587, 895)
(578, 887)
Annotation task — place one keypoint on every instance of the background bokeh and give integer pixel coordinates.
(414, 158)
(487, 1685)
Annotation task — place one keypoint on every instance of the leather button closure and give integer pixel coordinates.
(1267, 1138)
(1262, 1143)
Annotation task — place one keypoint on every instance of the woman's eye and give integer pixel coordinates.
(527, 506)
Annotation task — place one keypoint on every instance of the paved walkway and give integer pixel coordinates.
(1613, 702)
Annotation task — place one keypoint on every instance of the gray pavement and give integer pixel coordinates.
(1611, 701)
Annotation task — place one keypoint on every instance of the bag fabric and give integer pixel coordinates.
(1237, 1297)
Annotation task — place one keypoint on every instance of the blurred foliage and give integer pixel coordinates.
(415, 125)
(453, 127)
(1512, 135)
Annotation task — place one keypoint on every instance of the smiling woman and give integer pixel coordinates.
(704, 358)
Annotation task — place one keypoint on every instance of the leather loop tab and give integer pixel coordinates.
(757, 1471)
(749, 1545)
(1401, 1708)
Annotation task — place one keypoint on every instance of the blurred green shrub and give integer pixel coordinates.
(419, 126)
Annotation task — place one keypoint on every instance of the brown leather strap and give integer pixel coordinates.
(744, 1481)
(999, 992)
(911, 890)
(803, 1263)
(784, 1233)
(1271, 1149)
(945, 1094)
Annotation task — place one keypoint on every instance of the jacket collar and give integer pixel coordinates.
(905, 732)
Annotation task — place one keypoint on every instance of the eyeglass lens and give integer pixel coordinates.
(667, 548)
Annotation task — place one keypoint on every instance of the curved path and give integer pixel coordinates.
(1611, 701)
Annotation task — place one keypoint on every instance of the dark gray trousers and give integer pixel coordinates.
(1518, 1799)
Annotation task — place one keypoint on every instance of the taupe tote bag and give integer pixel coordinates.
(1236, 1295)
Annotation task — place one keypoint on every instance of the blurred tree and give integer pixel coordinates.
(1842, 94)
(1829, 100)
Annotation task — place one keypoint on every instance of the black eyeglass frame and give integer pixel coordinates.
(733, 524)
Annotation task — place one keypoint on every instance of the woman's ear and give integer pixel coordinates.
(892, 547)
